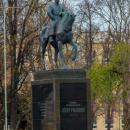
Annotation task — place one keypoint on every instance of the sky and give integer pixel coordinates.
(72, 3)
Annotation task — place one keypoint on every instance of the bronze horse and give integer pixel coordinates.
(64, 36)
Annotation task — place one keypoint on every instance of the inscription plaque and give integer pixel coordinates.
(42, 102)
(73, 106)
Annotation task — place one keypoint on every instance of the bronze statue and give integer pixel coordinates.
(58, 32)
(54, 12)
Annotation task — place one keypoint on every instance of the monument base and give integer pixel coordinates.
(61, 100)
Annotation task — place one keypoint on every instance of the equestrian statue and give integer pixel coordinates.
(58, 32)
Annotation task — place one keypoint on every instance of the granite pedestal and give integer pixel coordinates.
(61, 100)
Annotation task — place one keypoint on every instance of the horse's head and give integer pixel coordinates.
(68, 20)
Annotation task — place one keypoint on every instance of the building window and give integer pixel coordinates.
(108, 121)
(122, 121)
(94, 123)
(93, 55)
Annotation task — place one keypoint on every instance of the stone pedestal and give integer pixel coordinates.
(61, 100)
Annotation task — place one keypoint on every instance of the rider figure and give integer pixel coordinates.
(55, 11)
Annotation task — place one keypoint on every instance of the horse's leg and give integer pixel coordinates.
(61, 55)
(74, 49)
(56, 57)
(43, 44)
(56, 52)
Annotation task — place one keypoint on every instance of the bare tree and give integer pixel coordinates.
(22, 50)
(115, 14)
(87, 17)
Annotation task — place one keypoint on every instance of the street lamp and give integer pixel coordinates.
(5, 7)
(5, 73)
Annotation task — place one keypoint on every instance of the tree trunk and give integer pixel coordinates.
(12, 18)
(108, 118)
(89, 40)
(126, 116)
(13, 113)
(88, 54)
(126, 102)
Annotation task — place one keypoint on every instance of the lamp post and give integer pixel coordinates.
(5, 71)
(5, 7)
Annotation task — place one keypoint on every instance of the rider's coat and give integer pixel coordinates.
(54, 12)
